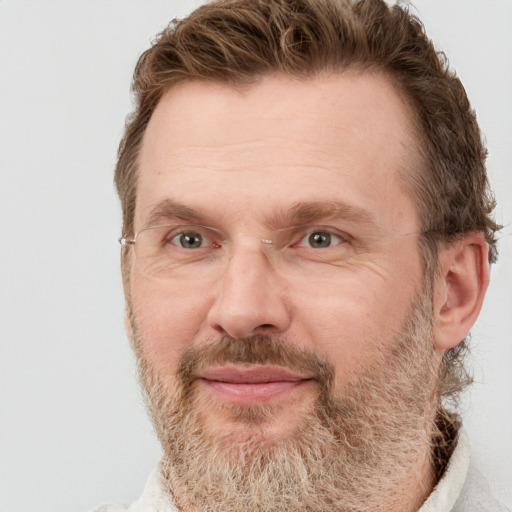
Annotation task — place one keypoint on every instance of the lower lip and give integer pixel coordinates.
(252, 393)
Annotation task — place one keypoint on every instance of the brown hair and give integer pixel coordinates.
(239, 41)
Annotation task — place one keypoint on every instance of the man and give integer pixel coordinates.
(307, 238)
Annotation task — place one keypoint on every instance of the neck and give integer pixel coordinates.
(415, 489)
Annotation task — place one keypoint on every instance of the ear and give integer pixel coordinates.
(459, 288)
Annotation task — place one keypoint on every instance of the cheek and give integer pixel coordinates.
(167, 318)
(355, 319)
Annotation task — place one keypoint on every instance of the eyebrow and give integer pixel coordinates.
(314, 211)
(303, 212)
(170, 210)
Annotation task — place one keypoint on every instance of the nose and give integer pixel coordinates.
(249, 297)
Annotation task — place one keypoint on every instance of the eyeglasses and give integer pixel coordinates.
(193, 250)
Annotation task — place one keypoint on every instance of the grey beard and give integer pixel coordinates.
(349, 453)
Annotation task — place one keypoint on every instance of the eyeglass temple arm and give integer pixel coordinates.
(126, 241)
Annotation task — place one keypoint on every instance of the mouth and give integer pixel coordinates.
(251, 385)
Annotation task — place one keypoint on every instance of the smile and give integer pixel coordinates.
(251, 385)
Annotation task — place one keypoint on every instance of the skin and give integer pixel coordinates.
(243, 157)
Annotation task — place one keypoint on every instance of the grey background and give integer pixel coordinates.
(73, 432)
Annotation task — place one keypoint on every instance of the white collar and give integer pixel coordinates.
(154, 499)
(447, 491)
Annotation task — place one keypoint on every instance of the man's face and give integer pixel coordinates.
(300, 289)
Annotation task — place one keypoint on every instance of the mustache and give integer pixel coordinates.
(256, 349)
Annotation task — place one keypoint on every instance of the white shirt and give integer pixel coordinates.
(461, 489)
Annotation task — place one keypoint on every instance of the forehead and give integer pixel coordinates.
(336, 138)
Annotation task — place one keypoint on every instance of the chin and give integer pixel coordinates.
(250, 424)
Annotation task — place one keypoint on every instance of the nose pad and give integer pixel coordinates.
(249, 298)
